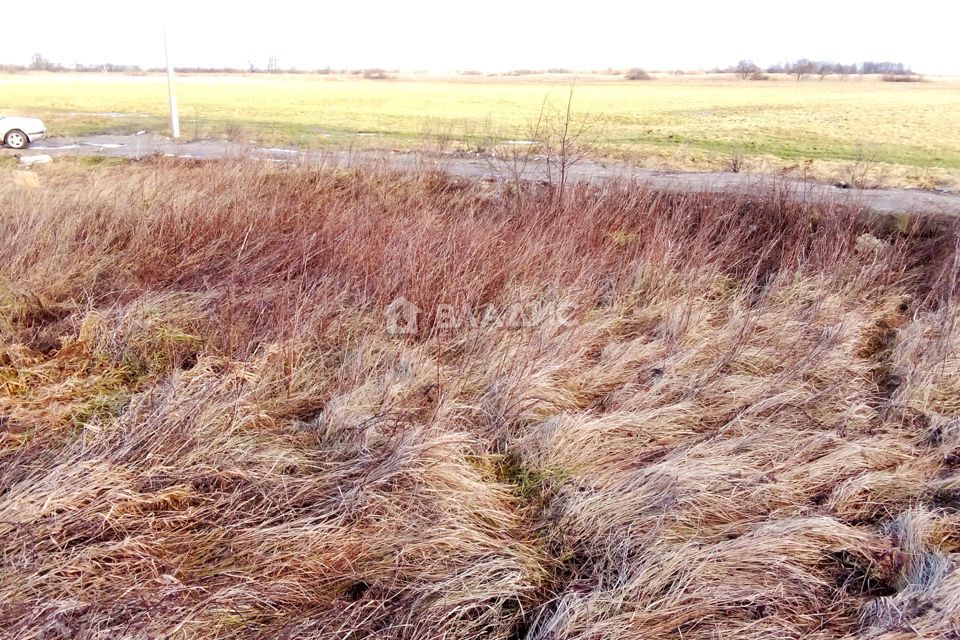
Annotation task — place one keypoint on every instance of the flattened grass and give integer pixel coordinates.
(748, 427)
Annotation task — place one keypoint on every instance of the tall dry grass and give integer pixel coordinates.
(748, 428)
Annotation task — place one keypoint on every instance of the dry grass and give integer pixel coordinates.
(750, 428)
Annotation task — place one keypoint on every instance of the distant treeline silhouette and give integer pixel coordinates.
(801, 69)
(805, 67)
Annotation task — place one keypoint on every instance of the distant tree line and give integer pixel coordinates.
(801, 69)
(804, 68)
(39, 62)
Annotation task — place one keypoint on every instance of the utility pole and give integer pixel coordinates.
(174, 116)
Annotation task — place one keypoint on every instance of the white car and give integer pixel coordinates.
(17, 133)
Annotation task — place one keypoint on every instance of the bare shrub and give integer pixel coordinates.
(804, 67)
(637, 74)
(376, 74)
(896, 77)
(558, 139)
(745, 69)
(233, 131)
(735, 161)
(564, 138)
(865, 170)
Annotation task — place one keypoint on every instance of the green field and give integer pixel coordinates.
(909, 133)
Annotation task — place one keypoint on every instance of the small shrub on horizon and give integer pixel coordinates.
(897, 77)
(376, 74)
(637, 74)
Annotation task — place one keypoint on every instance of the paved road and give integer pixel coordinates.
(135, 146)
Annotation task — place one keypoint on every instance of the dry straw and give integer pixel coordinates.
(749, 429)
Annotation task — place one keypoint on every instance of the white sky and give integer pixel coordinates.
(487, 35)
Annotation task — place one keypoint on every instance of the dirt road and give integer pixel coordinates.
(135, 146)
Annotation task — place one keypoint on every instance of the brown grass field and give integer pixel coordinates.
(748, 427)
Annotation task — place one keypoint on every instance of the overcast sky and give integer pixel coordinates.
(487, 35)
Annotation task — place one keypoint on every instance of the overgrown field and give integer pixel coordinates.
(745, 423)
(902, 133)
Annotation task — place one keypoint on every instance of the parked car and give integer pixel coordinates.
(17, 133)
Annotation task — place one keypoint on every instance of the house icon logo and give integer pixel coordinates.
(401, 317)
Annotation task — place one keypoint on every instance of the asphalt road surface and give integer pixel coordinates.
(138, 146)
